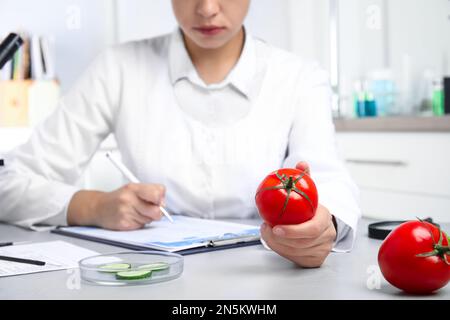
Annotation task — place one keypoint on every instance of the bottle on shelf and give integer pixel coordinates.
(438, 97)
(364, 100)
(381, 87)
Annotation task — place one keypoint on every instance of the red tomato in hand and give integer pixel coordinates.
(287, 196)
(415, 257)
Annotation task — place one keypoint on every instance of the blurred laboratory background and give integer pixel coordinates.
(388, 60)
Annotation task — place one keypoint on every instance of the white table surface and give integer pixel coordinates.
(242, 273)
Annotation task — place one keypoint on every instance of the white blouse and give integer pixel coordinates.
(210, 145)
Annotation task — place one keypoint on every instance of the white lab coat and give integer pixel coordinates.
(209, 145)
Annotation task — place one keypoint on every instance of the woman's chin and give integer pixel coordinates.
(210, 42)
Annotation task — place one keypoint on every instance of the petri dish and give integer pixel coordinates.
(131, 268)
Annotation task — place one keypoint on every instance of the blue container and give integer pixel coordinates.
(371, 108)
(360, 105)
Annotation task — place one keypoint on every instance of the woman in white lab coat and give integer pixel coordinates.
(201, 116)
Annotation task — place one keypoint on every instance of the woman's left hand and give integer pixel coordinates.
(307, 244)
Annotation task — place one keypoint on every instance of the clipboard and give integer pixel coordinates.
(235, 236)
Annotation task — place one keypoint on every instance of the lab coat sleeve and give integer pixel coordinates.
(39, 177)
(312, 139)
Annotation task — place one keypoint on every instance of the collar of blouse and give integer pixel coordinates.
(241, 76)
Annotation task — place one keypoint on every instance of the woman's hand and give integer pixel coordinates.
(307, 244)
(128, 208)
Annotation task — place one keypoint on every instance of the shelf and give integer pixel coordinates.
(394, 124)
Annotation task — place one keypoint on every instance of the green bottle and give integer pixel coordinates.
(438, 98)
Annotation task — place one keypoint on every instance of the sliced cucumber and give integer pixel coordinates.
(157, 266)
(134, 275)
(115, 267)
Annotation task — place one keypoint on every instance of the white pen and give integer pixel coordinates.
(130, 176)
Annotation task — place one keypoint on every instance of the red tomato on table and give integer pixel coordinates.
(415, 257)
(287, 196)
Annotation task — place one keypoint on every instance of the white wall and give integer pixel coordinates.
(417, 29)
(413, 35)
(81, 28)
(300, 26)
(309, 36)
(138, 19)
(419, 32)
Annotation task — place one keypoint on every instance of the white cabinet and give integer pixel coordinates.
(400, 175)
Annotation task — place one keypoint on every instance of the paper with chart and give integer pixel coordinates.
(58, 255)
(185, 233)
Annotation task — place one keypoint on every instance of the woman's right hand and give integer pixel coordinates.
(128, 208)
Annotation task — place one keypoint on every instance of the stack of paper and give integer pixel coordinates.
(185, 233)
(57, 255)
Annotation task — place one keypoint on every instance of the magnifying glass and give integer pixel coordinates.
(380, 230)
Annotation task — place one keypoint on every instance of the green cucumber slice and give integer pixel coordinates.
(157, 266)
(114, 267)
(134, 275)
